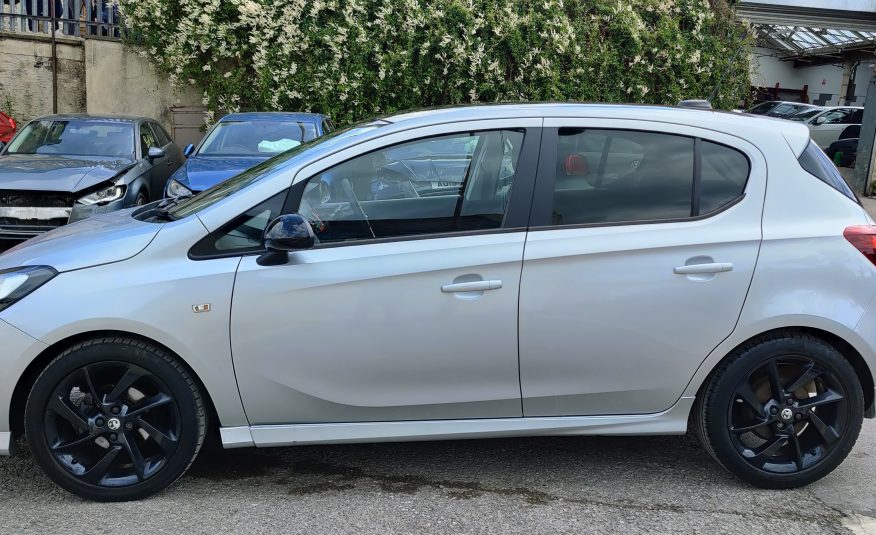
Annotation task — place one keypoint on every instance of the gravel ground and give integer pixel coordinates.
(538, 485)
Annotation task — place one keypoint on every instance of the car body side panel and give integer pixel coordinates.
(150, 295)
(807, 274)
(606, 326)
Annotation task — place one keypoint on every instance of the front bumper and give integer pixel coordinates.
(22, 223)
(17, 350)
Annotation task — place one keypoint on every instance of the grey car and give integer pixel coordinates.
(63, 168)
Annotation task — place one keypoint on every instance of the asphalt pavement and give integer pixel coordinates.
(534, 485)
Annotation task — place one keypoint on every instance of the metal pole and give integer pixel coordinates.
(864, 170)
(52, 16)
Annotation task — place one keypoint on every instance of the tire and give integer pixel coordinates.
(115, 419)
(774, 447)
(142, 199)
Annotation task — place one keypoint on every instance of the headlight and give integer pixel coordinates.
(103, 196)
(16, 283)
(176, 189)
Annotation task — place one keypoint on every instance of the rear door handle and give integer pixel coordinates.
(474, 286)
(714, 267)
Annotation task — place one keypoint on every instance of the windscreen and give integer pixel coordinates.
(256, 138)
(76, 137)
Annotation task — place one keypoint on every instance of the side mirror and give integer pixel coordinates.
(155, 153)
(188, 150)
(820, 119)
(289, 232)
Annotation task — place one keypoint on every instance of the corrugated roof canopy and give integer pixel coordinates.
(803, 42)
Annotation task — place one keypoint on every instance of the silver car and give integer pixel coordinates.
(598, 270)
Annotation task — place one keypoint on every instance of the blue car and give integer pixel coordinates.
(239, 141)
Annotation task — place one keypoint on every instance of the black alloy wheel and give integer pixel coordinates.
(115, 419)
(781, 411)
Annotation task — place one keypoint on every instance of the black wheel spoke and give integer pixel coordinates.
(775, 381)
(154, 402)
(747, 428)
(747, 395)
(73, 444)
(65, 411)
(101, 467)
(130, 444)
(827, 432)
(798, 450)
(810, 372)
(825, 398)
(164, 441)
(128, 379)
(763, 453)
(95, 397)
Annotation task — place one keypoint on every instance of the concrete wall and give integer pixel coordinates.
(823, 80)
(94, 75)
(26, 76)
(119, 80)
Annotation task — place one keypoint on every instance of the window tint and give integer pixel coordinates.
(614, 176)
(147, 138)
(723, 175)
(160, 134)
(445, 184)
(816, 163)
(243, 234)
(857, 117)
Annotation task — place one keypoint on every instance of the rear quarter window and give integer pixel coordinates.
(815, 162)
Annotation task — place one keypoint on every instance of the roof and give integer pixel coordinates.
(718, 120)
(107, 117)
(274, 116)
(813, 44)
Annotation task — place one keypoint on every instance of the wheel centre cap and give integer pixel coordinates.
(114, 424)
(786, 414)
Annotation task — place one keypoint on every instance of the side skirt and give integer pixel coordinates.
(672, 421)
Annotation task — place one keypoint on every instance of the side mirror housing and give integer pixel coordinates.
(289, 232)
(820, 119)
(155, 153)
(188, 150)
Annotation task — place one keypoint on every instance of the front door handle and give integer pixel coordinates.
(696, 269)
(473, 286)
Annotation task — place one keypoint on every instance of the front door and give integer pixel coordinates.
(407, 307)
(829, 126)
(633, 274)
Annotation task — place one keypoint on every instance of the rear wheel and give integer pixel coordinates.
(782, 411)
(114, 419)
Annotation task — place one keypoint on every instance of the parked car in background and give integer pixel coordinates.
(778, 108)
(599, 270)
(826, 124)
(7, 129)
(239, 141)
(844, 151)
(62, 168)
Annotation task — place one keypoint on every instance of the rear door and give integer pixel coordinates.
(633, 273)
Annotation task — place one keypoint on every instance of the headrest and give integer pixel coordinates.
(576, 165)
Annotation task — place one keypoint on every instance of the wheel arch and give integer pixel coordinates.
(37, 365)
(855, 358)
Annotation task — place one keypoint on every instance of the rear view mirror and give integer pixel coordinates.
(188, 150)
(289, 232)
(155, 152)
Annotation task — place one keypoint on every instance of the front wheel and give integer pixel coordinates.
(114, 419)
(782, 411)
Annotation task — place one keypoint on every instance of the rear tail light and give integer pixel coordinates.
(863, 237)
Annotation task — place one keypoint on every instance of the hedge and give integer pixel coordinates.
(354, 59)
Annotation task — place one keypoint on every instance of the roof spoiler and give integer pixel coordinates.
(695, 103)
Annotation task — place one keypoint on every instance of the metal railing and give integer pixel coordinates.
(78, 18)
